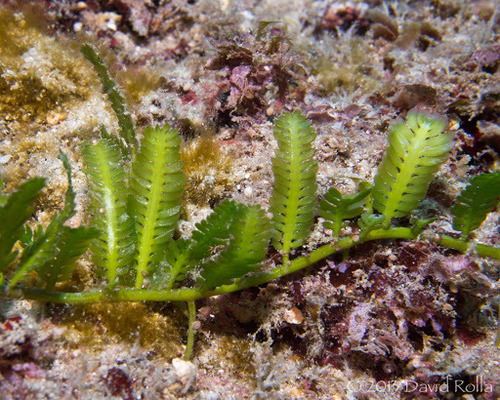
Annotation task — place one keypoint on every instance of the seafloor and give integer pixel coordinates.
(389, 320)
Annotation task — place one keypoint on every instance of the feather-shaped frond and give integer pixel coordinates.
(335, 208)
(15, 211)
(157, 184)
(249, 236)
(294, 193)
(475, 202)
(113, 250)
(178, 257)
(39, 250)
(213, 231)
(72, 244)
(118, 104)
(44, 250)
(416, 150)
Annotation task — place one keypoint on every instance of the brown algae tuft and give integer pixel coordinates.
(208, 169)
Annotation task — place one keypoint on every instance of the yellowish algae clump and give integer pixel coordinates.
(98, 325)
(208, 170)
(38, 73)
(50, 99)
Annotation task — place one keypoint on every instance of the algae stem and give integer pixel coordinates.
(191, 331)
(191, 294)
(482, 250)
